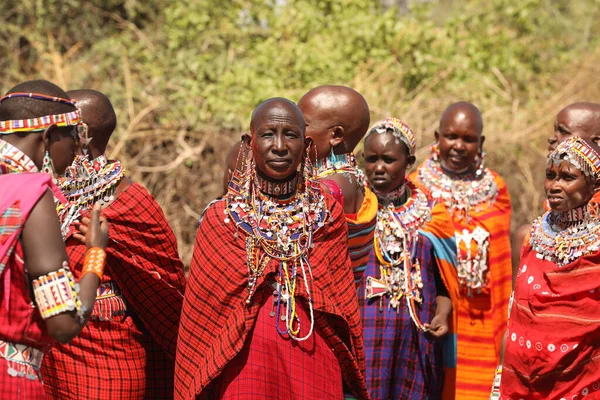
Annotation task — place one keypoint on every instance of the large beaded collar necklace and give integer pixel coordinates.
(562, 238)
(339, 164)
(85, 183)
(13, 160)
(461, 194)
(396, 238)
(281, 230)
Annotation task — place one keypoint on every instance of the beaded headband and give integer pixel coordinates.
(579, 154)
(39, 124)
(399, 129)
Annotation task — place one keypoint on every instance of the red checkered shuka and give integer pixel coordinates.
(216, 321)
(127, 349)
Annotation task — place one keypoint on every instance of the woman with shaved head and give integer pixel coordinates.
(270, 310)
(478, 200)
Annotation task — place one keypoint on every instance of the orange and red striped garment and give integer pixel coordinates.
(482, 317)
(127, 349)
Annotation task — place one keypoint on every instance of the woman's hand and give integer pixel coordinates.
(93, 232)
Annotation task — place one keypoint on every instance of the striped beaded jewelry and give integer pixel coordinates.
(578, 153)
(57, 292)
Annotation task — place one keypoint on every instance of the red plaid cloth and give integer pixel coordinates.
(18, 388)
(216, 321)
(130, 356)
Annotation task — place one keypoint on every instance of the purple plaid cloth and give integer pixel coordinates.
(401, 362)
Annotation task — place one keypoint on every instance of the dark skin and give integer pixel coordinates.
(459, 138)
(337, 118)
(386, 162)
(231, 163)
(567, 187)
(100, 119)
(579, 119)
(277, 139)
(43, 248)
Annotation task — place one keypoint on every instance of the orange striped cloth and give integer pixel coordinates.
(440, 232)
(482, 318)
(361, 230)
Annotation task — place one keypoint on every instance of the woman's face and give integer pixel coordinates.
(386, 161)
(567, 187)
(62, 144)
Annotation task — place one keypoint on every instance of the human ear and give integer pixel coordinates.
(410, 161)
(338, 136)
(436, 135)
(481, 140)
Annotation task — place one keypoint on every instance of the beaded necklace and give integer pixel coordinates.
(280, 230)
(339, 163)
(460, 193)
(13, 160)
(396, 238)
(562, 238)
(86, 182)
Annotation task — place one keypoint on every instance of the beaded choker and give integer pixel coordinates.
(339, 164)
(461, 194)
(562, 238)
(396, 196)
(14, 160)
(86, 182)
(396, 238)
(277, 188)
(280, 230)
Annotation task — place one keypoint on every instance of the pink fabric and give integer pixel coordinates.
(335, 189)
(19, 322)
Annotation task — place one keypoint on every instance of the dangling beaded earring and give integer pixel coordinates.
(480, 163)
(47, 165)
(435, 151)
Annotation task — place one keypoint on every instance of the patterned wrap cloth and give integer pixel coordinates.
(553, 341)
(23, 334)
(482, 318)
(401, 362)
(127, 349)
(216, 322)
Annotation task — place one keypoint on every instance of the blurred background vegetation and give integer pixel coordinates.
(184, 76)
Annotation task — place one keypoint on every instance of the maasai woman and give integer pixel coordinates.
(270, 310)
(410, 278)
(478, 201)
(40, 299)
(553, 343)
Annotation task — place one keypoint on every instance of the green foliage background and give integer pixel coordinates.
(184, 76)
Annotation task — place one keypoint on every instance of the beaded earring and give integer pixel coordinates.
(435, 151)
(47, 165)
(480, 163)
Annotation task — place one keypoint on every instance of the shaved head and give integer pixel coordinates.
(98, 114)
(25, 107)
(335, 112)
(271, 107)
(465, 112)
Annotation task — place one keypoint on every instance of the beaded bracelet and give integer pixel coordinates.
(495, 395)
(95, 258)
(57, 292)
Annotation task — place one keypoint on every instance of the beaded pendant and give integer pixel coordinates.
(396, 237)
(339, 163)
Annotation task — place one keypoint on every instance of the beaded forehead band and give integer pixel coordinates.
(399, 129)
(39, 124)
(578, 153)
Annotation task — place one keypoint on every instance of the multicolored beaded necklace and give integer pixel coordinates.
(86, 182)
(339, 164)
(562, 238)
(460, 193)
(277, 229)
(13, 160)
(396, 238)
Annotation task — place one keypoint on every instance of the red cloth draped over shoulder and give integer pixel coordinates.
(132, 355)
(553, 341)
(216, 320)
